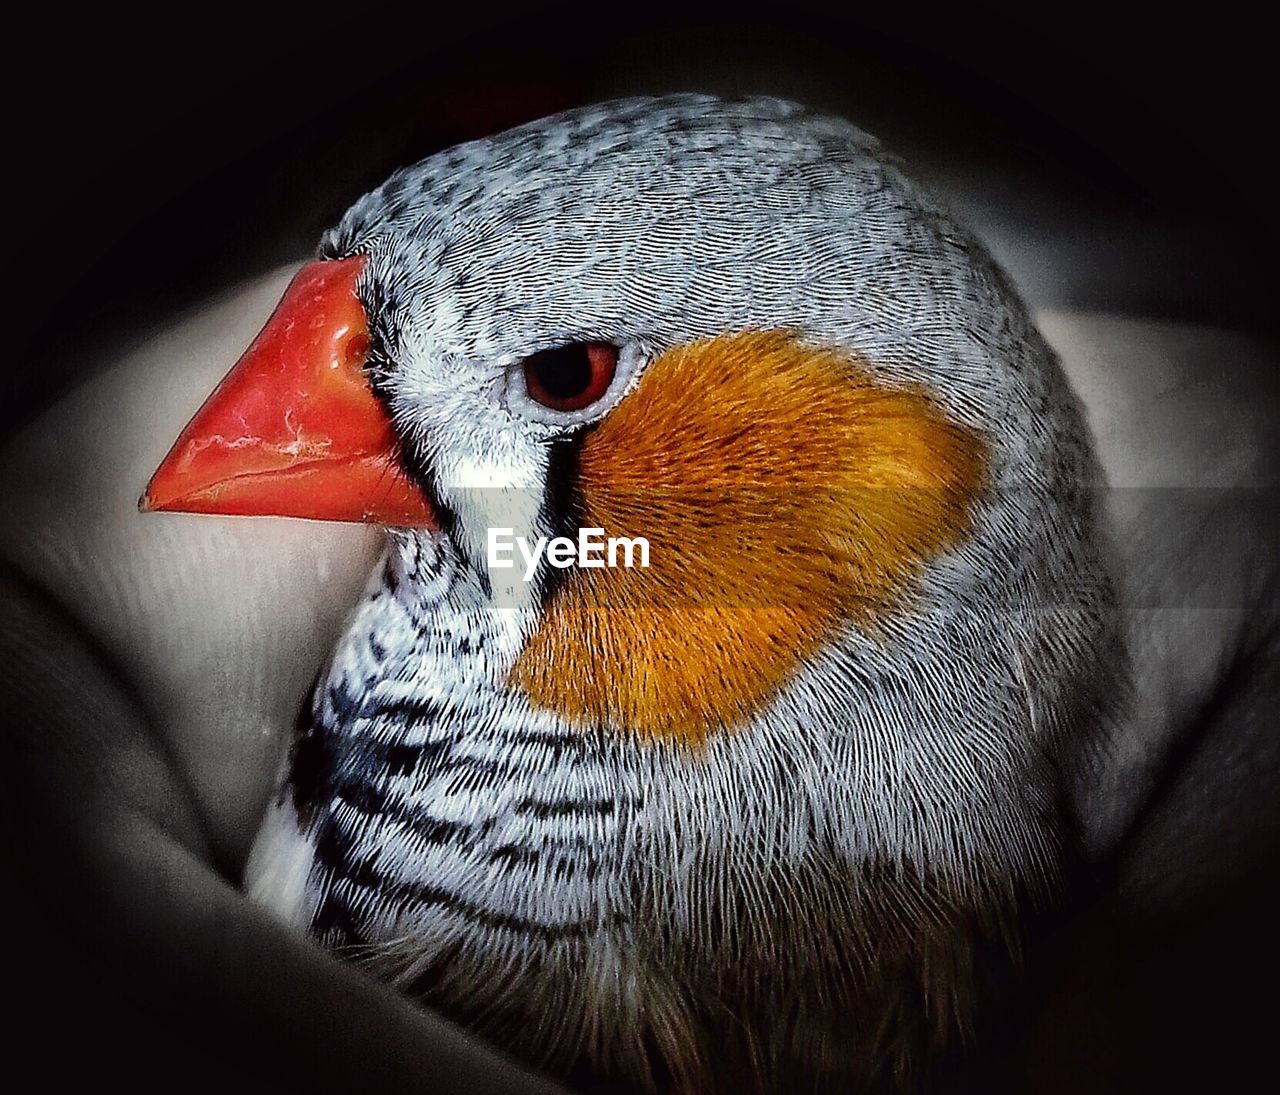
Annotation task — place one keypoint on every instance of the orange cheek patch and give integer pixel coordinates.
(784, 493)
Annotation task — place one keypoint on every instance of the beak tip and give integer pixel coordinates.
(295, 430)
(147, 502)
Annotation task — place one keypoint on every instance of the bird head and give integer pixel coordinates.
(731, 328)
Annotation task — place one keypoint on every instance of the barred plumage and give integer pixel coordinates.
(792, 897)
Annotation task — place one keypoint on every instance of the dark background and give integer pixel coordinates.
(157, 159)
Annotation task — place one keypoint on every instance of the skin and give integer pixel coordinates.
(151, 668)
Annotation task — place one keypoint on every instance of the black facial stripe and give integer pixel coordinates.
(563, 507)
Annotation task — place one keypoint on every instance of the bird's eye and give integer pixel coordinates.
(570, 378)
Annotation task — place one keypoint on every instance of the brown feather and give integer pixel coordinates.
(784, 491)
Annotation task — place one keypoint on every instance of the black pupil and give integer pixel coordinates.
(564, 372)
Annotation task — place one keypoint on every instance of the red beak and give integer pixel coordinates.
(294, 430)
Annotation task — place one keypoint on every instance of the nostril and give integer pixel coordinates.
(355, 351)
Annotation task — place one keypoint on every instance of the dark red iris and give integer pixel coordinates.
(570, 378)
